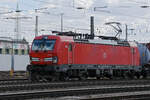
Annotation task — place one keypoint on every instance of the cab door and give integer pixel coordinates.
(70, 54)
(133, 56)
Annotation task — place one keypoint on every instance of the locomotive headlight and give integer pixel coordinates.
(55, 59)
(48, 59)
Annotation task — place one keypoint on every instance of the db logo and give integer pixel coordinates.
(104, 55)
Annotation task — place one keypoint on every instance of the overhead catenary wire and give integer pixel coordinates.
(48, 2)
(105, 11)
(139, 2)
(44, 19)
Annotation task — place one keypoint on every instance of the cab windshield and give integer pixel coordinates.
(43, 44)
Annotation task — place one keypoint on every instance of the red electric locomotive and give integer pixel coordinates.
(68, 55)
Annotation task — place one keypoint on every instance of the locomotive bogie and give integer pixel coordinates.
(84, 71)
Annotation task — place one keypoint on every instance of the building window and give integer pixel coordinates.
(16, 51)
(28, 51)
(0, 50)
(22, 52)
(7, 51)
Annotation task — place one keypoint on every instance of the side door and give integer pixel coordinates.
(133, 56)
(70, 53)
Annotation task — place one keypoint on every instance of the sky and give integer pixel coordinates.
(126, 12)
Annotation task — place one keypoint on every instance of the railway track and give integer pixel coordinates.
(90, 81)
(53, 93)
(13, 81)
(26, 85)
(140, 95)
(24, 89)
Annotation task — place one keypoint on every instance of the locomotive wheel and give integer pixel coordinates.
(63, 77)
(32, 76)
(98, 77)
(109, 76)
(125, 75)
(55, 77)
(83, 77)
(131, 75)
(144, 74)
(137, 75)
(52, 79)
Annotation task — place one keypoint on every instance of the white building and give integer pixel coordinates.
(20, 50)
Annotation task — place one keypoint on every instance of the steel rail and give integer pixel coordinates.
(72, 92)
(55, 85)
(90, 81)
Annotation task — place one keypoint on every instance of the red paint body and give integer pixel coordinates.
(87, 53)
(105, 54)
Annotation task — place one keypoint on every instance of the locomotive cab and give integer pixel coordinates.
(43, 57)
(49, 57)
(43, 51)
